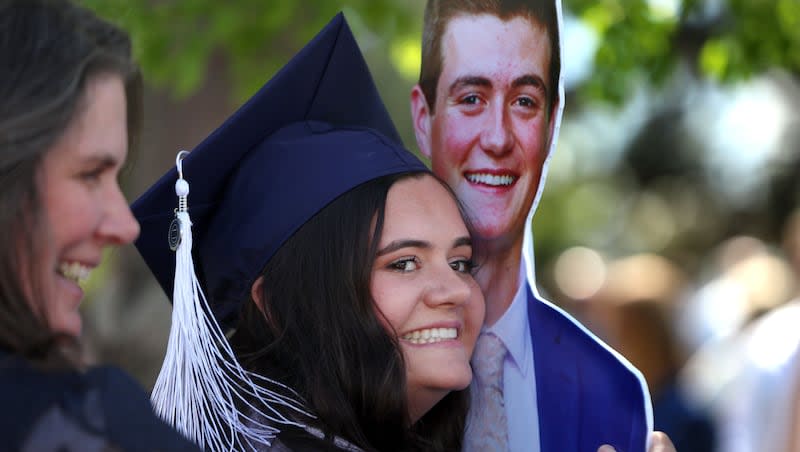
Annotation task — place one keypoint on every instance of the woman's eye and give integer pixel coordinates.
(463, 265)
(405, 265)
(91, 176)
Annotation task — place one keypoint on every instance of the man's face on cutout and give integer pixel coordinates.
(489, 134)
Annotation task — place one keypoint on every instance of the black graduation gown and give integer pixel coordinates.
(98, 410)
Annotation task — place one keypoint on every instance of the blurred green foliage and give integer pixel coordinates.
(733, 40)
(175, 39)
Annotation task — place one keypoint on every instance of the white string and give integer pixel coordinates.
(202, 390)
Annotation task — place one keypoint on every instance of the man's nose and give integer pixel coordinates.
(497, 138)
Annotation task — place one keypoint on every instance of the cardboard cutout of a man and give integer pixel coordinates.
(486, 111)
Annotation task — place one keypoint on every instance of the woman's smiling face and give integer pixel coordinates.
(83, 207)
(423, 286)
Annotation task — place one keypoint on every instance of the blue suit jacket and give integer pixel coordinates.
(586, 396)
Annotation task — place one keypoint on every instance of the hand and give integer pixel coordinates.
(659, 442)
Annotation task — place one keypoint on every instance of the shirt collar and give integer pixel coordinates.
(512, 327)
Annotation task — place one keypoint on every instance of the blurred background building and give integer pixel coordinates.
(669, 222)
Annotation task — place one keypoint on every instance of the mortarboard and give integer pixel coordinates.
(316, 130)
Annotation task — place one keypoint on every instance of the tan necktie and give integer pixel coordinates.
(487, 427)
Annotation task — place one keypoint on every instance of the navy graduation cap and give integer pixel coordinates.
(316, 130)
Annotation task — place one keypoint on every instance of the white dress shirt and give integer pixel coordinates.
(756, 407)
(519, 382)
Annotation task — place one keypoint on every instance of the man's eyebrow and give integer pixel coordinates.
(530, 80)
(469, 80)
(403, 243)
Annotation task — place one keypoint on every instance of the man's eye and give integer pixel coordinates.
(526, 102)
(471, 99)
(404, 265)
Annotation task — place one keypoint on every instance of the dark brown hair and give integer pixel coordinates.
(49, 51)
(320, 332)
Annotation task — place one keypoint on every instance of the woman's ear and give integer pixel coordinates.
(259, 297)
(257, 294)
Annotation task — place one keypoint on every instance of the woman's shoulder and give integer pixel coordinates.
(71, 410)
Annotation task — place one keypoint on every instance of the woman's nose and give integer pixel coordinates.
(447, 287)
(118, 226)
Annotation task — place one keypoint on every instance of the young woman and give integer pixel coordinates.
(371, 313)
(69, 95)
(343, 266)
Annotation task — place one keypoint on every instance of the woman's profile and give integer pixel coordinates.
(69, 101)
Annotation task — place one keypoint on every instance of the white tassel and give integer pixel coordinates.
(202, 386)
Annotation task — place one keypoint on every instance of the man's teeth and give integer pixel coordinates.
(431, 335)
(74, 271)
(490, 179)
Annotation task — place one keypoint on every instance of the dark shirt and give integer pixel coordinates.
(102, 409)
(689, 428)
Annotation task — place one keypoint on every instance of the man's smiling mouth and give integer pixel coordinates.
(492, 180)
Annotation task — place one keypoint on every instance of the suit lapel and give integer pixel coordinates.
(556, 380)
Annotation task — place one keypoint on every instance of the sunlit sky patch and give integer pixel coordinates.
(742, 127)
(664, 10)
(580, 43)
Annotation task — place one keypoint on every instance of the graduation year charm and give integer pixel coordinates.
(174, 235)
